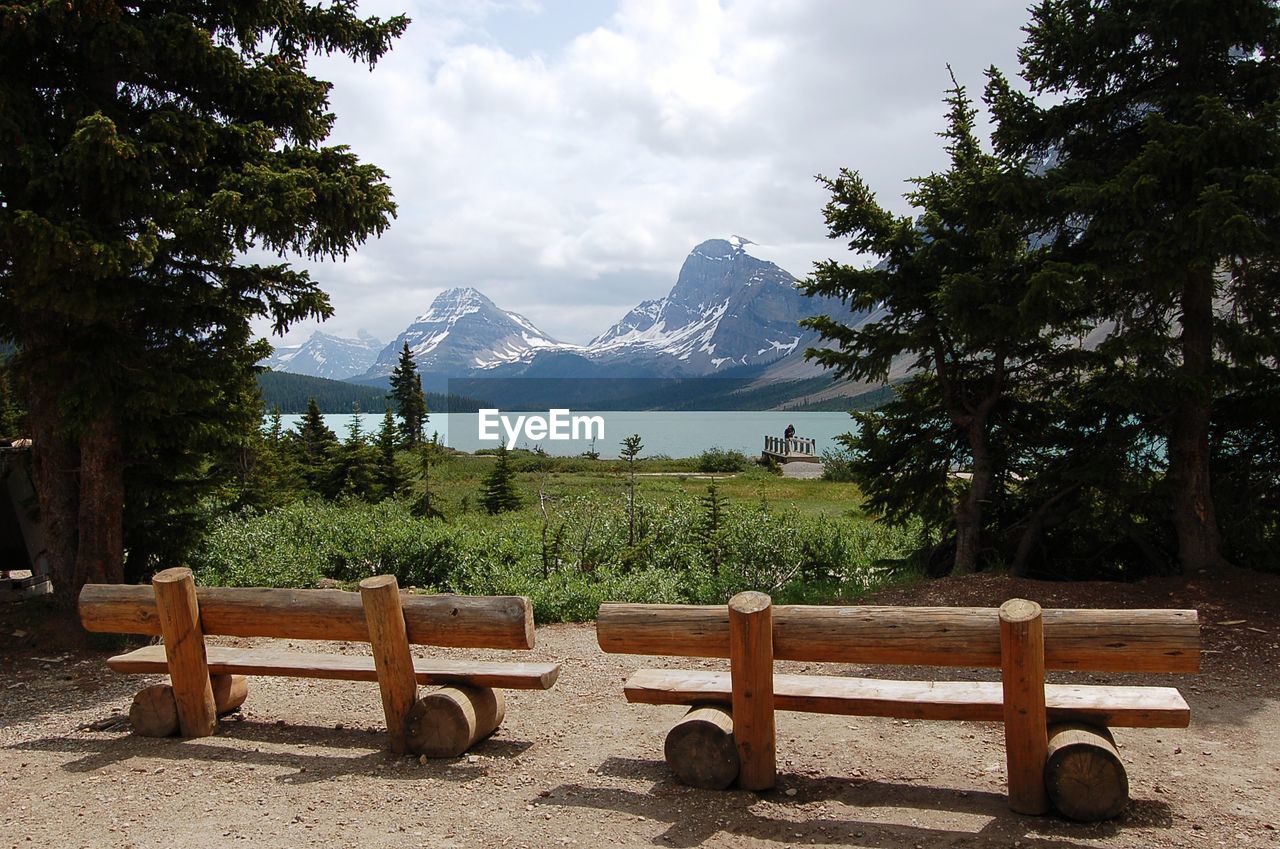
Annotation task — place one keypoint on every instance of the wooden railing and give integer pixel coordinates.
(784, 447)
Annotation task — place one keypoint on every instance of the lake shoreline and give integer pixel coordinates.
(676, 435)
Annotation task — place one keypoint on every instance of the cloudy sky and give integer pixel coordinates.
(564, 156)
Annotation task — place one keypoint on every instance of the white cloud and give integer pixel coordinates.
(564, 161)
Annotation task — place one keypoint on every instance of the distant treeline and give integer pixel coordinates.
(291, 392)
(866, 402)
(741, 389)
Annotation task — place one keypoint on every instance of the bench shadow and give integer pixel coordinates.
(369, 756)
(285, 733)
(655, 771)
(733, 812)
(70, 682)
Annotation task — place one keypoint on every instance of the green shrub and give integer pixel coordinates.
(837, 465)
(722, 460)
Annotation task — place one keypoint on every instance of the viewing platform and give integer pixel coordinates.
(797, 449)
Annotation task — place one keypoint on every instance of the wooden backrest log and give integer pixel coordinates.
(1079, 639)
(454, 621)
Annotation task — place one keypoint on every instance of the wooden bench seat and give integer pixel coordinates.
(465, 706)
(1059, 750)
(273, 662)
(974, 701)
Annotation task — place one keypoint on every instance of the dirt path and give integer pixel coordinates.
(303, 765)
(803, 471)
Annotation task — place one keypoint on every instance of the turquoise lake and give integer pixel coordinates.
(675, 434)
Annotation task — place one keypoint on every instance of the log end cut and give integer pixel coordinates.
(1084, 776)
(700, 749)
(154, 712)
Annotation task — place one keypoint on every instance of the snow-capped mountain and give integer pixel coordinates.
(326, 356)
(462, 332)
(727, 309)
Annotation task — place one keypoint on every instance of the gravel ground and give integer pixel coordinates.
(303, 763)
(797, 469)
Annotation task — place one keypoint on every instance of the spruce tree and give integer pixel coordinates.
(499, 489)
(631, 448)
(259, 474)
(280, 461)
(145, 151)
(424, 505)
(389, 477)
(712, 520)
(411, 403)
(962, 309)
(358, 461)
(275, 427)
(712, 511)
(318, 449)
(1163, 135)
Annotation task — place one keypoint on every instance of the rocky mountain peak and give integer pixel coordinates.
(462, 330)
(326, 355)
(455, 303)
(717, 269)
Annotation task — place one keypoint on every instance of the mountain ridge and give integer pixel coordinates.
(727, 312)
(325, 355)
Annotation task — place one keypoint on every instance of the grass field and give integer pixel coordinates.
(457, 480)
(577, 540)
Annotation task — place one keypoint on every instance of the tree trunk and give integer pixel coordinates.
(1027, 542)
(100, 551)
(968, 509)
(1044, 516)
(1194, 519)
(55, 467)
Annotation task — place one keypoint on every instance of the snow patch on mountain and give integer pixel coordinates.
(779, 348)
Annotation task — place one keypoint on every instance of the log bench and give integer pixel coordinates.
(207, 681)
(1059, 749)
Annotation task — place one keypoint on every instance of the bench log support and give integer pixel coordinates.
(1084, 776)
(751, 667)
(1026, 739)
(179, 615)
(445, 723)
(154, 712)
(700, 748)
(392, 659)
